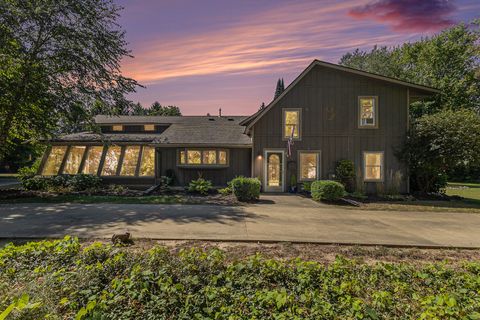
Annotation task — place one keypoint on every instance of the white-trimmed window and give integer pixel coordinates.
(292, 122)
(368, 112)
(373, 166)
(202, 157)
(309, 165)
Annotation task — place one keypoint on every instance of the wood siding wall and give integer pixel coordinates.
(239, 164)
(329, 102)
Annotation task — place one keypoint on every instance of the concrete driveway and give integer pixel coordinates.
(275, 218)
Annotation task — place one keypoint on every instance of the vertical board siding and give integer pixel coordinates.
(329, 102)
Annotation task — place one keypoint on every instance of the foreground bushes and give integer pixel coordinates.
(78, 182)
(60, 280)
(63, 281)
(246, 189)
(327, 190)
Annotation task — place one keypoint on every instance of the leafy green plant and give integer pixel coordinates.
(81, 182)
(307, 186)
(246, 189)
(60, 280)
(200, 186)
(327, 190)
(345, 173)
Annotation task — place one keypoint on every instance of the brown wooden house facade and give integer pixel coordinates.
(328, 113)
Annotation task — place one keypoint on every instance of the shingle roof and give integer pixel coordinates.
(183, 130)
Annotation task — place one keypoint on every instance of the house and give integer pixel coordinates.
(328, 113)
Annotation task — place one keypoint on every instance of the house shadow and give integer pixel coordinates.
(38, 220)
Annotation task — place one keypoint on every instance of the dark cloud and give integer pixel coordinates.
(408, 15)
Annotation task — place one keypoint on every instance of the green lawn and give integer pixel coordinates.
(468, 190)
(98, 199)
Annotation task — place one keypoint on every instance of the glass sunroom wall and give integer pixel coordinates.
(92, 160)
(74, 159)
(130, 161)
(54, 160)
(147, 165)
(112, 159)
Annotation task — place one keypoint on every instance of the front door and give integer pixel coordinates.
(274, 173)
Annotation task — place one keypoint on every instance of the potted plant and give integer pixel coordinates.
(293, 183)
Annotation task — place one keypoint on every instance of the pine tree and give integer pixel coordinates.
(262, 106)
(279, 89)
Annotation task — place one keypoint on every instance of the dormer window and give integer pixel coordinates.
(368, 112)
(149, 127)
(117, 127)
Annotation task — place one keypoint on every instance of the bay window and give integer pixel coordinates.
(202, 157)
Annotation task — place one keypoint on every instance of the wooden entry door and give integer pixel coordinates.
(274, 171)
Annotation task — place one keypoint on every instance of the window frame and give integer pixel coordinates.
(284, 111)
(299, 166)
(203, 165)
(375, 113)
(117, 128)
(382, 166)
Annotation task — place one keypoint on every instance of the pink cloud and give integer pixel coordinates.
(408, 15)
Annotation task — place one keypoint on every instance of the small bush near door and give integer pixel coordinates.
(345, 172)
(327, 190)
(246, 189)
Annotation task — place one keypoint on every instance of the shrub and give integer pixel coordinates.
(200, 186)
(327, 190)
(345, 172)
(35, 183)
(246, 189)
(225, 191)
(81, 182)
(307, 186)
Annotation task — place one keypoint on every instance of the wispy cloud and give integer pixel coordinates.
(282, 38)
(408, 15)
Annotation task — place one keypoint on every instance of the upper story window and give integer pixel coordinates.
(373, 166)
(368, 112)
(117, 127)
(149, 127)
(202, 157)
(292, 121)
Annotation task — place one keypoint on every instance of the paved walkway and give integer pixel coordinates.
(275, 218)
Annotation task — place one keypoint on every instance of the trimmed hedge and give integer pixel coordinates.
(327, 190)
(246, 189)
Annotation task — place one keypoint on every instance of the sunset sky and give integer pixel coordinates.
(201, 55)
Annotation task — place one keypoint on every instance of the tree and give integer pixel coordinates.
(158, 110)
(279, 89)
(262, 106)
(448, 61)
(58, 58)
(438, 143)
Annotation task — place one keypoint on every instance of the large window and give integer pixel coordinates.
(147, 165)
(74, 159)
(130, 160)
(309, 165)
(368, 112)
(92, 160)
(373, 166)
(54, 160)
(111, 161)
(202, 157)
(292, 119)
